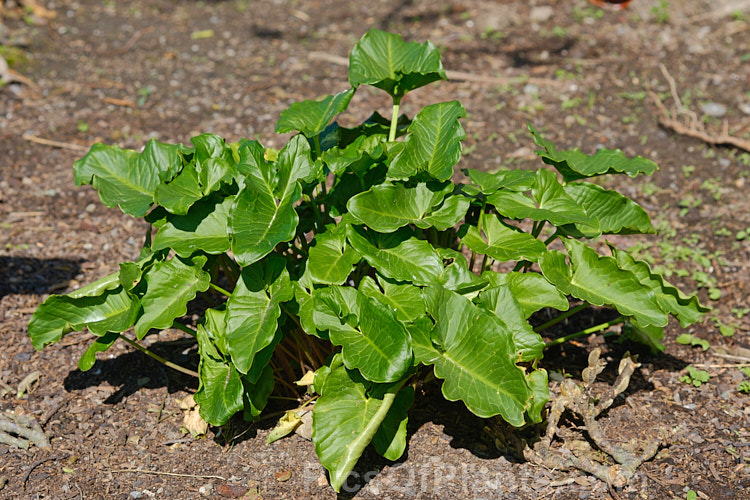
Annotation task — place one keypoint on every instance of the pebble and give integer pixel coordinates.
(714, 109)
(206, 489)
(541, 14)
(744, 107)
(724, 162)
(530, 89)
(136, 494)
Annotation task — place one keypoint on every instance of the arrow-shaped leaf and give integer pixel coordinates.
(475, 354)
(166, 288)
(253, 309)
(501, 242)
(103, 306)
(433, 144)
(386, 61)
(312, 117)
(263, 214)
(203, 228)
(398, 255)
(574, 165)
(348, 414)
(403, 299)
(387, 207)
(532, 291)
(372, 339)
(617, 214)
(548, 202)
(220, 392)
(332, 259)
(687, 309)
(600, 281)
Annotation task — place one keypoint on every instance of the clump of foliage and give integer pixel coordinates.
(351, 253)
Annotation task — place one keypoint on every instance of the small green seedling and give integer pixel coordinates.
(695, 376)
(688, 339)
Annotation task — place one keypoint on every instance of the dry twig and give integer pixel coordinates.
(579, 454)
(20, 431)
(54, 144)
(694, 127)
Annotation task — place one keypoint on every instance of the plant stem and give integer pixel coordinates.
(537, 228)
(316, 143)
(316, 211)
(587, 331)
(471, 261)
(220, 290)
(184, 328)
(484, 263)
(551, 239)
(564, 315)
(394, 119)
(158, 358)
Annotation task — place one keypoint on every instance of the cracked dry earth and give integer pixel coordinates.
(122, 72)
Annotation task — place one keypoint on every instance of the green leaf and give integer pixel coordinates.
(600, 281)
(214, 162)
(574, 165)
(617, 214)
(256, 393)
(304, 300)
(513, 180)
(540, 387)
(398, 255)
(475, 354)
(687, 309)
(263, 214)
(179, 194)
(347, 416)
(648, 335)
(332, 260)
(372, 339)
(119, 177)
(253, 309)
(357, 157)
(500, 241)
(100, 344)
(103, 306)
(456, 276)
(312, 117)
(387, 207)
(390, 439)
(386, 61)
(169, 286)
(433, 144)
(548, 202)
(532, 291)
(404, 300)
(500, 300)
(220, 392)
(203, 228)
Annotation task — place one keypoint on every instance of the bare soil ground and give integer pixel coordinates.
(122, 72)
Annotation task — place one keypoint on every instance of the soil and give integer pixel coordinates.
(122, 72)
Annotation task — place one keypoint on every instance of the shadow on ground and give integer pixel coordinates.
(26, 275)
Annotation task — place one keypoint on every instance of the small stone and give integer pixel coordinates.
(744, 107)
(541, 14)
(206, 489)
(136, 494)
(724, 162)
(90, 207)
(714, 109)
(530, 89)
